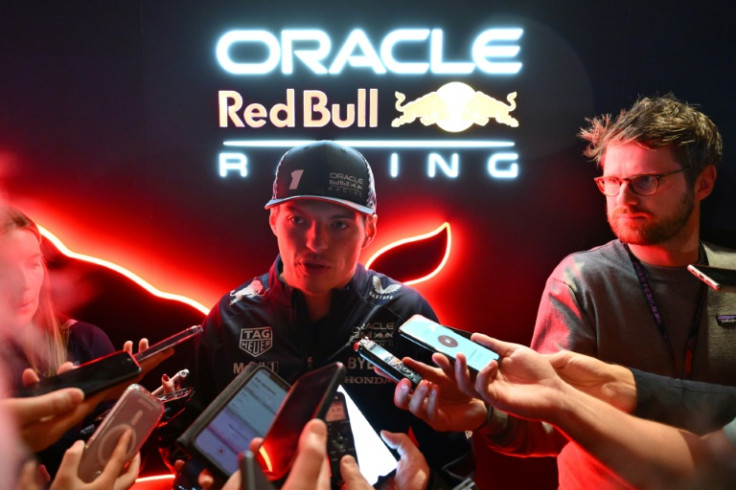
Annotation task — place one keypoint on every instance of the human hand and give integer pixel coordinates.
(43, 419)
(114, 476)
(150, 363)
(413, 471)
(32, 477)
(522, 382)
(437, 399)
(611, 383)
(310, 469)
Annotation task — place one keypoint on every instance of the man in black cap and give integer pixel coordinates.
(317, 300)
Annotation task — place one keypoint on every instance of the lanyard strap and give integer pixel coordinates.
(692, 338)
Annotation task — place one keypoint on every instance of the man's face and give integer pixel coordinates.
(319, 243)
(653, 219)
(21, 277)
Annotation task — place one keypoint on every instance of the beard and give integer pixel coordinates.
(652, 232)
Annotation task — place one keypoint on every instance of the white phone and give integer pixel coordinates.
(137, 410)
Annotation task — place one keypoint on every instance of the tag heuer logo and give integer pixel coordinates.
(256, 341)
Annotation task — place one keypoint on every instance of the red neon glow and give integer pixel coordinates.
(445, 227)
(153, 482)
(121, 270)
(266, 459)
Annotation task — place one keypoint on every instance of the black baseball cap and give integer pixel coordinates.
(325, 171)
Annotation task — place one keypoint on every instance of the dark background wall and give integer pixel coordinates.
(109, 139)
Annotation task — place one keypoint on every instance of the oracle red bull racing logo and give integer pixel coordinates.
(455, 107)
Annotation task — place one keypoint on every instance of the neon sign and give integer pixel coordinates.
(443, 232)
(453, 106)
(315, 111)
(493, 52)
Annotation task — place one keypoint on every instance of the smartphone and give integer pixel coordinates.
(340, 439)
(309, 397)
(433, 336)
(91, 377)
(137, 410)
(385, 361)
(717, 278)
(242, 411)
(251, 475)
(376, 459)
(169, 342)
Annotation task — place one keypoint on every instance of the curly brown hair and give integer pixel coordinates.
(657, 122)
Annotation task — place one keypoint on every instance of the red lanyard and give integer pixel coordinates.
(692, 339)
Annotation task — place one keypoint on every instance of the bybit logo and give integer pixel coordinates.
(455, 107)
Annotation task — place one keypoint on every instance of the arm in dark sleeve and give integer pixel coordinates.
(692, 405)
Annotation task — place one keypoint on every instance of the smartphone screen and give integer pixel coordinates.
(309, 397)
(91, 377)
(433, 336)
(374, 457)
(169, 342)
(246, 415)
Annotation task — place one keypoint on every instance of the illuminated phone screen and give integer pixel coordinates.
(247, 415)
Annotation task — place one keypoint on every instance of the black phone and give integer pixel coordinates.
(340, 440)
(242, 411)
(310, 397)
(251, 475)
(717, 278)
(439, 338)
(385, 361)
(169, 342)
(136, 410)
(91, 377)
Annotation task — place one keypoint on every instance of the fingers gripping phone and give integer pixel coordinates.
(385, 361)
(136, 410)
(340, 439)
(310, 397)
(91, 377)
(433, 336)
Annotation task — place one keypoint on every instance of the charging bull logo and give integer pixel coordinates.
(455, 107)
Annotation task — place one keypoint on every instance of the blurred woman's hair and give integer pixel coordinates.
(44, 341)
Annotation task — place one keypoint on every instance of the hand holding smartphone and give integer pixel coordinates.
(168, 343)
(386, 362)
(136, 410)
(433, 336)
(340, 440)
(310, 397)
(91, 377)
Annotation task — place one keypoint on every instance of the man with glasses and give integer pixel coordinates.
(632, 301)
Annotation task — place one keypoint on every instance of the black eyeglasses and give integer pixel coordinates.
(641, 185)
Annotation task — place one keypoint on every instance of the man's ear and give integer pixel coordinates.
(273, 213)
(370, 229)
(705, 181)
